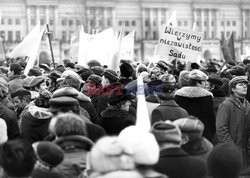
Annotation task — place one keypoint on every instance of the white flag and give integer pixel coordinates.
(98, 47)
(127, 47)
(172, 20)
(74, 47)
(35, 44)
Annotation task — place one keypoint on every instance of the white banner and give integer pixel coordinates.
(127, 47)
(181, 44)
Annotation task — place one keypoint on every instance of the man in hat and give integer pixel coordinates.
(233, 116)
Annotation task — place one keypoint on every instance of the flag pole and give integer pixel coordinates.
(49, 33)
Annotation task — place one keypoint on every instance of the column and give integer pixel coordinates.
(151, 25)
(47, 14)
(113, 18)
(37, 15)
(88, 21)
(217, 27)
(195, 20)
(166, 16)
(56, 24)
(210, 23)
(28, 20)
(202, 21)
(105, 14)
(243, 24)
(159, 21)
(143, 24)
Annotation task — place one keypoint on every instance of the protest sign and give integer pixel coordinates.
(181, 44)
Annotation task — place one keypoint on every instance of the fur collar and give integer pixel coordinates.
(193, 92)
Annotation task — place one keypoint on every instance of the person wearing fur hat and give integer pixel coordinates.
(34, 122)
(116, 116)
(126, 73)
(193, 142)
(15, 78)
(197, 101)
(168, 108)
(174, 161)
(72, 137)
(49, 155)
(17, 159)
(224, 161)
(232, 119)
(109, 81)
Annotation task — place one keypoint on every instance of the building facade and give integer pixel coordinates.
(215, 18)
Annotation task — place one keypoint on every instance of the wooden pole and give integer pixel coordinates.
(50, 45)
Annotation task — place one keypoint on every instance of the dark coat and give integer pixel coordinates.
(75, 149)
(232, 122)
(168, 110)
(219, 97)
(10, 118)
(34, 124)
(176, 163)
(199, 148)
(40, 173)
(115, 120)
(89, 107)
(199, 103)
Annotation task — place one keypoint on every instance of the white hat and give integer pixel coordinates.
(3, 131)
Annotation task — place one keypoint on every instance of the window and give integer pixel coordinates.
(245, 23)
(17, 21)
(146, 23)
(64, 36)
(228, 33)
(146, 35)
(127, 23)
(18, 36)
(126, 33)
(213, 35)
(133, 23)
(71, 22)
(109, 22)
(234, 23)
(222, 34)
(33, 22)
(245, 34)
(120, 23)
(78, 22)
(100, 22)
(179, 23)
(212, 23)
(154, 23)
(42, 21)
(2, 34)
(222, 23)
(154, 35)
(205, 35)
(92, 22)
(10, 21)
(2, 21)
(205, 23)
(198, 23)
(10, 36)
(228, 23)
(185, 23)
(51, 22)
(234, 34)
(63, 22)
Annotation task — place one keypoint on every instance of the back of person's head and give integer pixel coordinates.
(43, 99)
(17, 158)
(225, 161)
(15, 68)
(71, 81)
(68, 124)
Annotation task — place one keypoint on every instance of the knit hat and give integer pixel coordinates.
(237, 70)
(197, 74)
(68, 73)
(34, 72)
(16, 68)
(108, 155)
(111, 75)
(21, 92)
(48, 153)
(17, 158)
(166, 132)
(225, 160)
(36, 81)
(163, 65)
(191, 126)
(119, 94)
(98, 70)
(70, 65)
(93, 63)
(194, 65)
(184, 78)
(55, 74)
(60, 68)
(3, 131)
(211, 68)
(141, 144)
(94, 79)
(236, 80)
(215, 79)
(126, 70)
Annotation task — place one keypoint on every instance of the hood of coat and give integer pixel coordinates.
(39, 113)
(83, 98)
(193, 92)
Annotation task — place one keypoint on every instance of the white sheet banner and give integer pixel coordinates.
(181, 44)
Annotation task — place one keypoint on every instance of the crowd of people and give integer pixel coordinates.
(70, 121)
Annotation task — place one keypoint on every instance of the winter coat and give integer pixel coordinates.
(168, 110)
(34, 124)
(15, 83)
(152, 103)
(113, 120)
(198, 148)
(10, 118)
(219, 97)
(42, 173)
(75, 149)
(176, 163)
(232, 122)
(199, 103)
